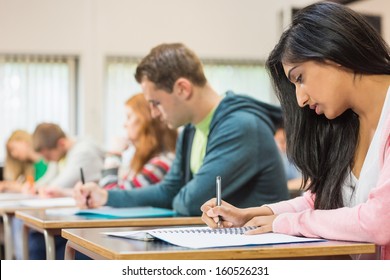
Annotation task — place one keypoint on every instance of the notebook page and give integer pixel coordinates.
(48, 202)
(204, 237)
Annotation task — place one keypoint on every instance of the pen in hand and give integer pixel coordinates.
(30, 182)
(218, 191)
(83, 182)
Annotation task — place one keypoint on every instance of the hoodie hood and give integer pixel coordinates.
(270, 114)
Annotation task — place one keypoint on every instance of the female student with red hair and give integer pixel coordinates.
(153, 146)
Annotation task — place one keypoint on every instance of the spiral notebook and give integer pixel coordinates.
(205, 237)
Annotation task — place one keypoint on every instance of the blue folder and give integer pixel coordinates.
(132, 212)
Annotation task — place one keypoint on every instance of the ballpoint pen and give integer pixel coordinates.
(218, 191)
(83, 182)
(82, 176)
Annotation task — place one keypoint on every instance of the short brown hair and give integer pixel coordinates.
(46, 136)
(168, 62)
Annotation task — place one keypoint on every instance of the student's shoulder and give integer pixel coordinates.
(242, 120)
(87, 145)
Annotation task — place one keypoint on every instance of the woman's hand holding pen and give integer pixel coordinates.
(231, 216)
(89, 195)
(236, 217)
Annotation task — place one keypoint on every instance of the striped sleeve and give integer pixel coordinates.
(154, 171)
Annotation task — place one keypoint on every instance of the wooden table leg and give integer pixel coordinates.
(50, 245)
(8, 242)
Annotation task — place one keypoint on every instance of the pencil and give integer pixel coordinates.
(30, 181)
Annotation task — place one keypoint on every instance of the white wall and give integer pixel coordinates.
(376, 7)
(93, 29)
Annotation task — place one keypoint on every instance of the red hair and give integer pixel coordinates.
(155, 137)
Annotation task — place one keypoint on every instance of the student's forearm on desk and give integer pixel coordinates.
(252, 212)
(147, 196)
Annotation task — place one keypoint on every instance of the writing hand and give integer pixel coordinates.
(231, 216)
(89, 195)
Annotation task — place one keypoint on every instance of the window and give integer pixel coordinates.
(120, 86)
(246, 77)
(35, 89)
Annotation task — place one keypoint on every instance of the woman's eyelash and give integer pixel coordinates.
(298, 79)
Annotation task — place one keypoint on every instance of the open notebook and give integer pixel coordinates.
(205, 237)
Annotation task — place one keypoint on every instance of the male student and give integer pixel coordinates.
(71, 154)
(229, 136)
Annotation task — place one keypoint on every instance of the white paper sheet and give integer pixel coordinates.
(204, 237)
(48, 202)
(14, 196)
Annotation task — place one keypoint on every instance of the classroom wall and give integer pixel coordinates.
(376, 7)
(93, 29)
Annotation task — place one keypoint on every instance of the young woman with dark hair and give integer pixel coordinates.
(331, 72)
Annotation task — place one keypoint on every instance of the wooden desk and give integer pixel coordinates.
(96, 245)
(7, 209)
(7, 212)
(50, 225)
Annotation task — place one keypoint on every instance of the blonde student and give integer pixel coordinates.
(23, 166)
(331, 71)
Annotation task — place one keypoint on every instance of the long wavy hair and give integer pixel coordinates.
(154, 136)
(324, 149)
(15, 169)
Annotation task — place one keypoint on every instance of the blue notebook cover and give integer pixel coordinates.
(132, 212)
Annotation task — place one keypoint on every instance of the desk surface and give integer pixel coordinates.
(12, 209)
(48, 219)
(34, 203)
(97, 245)
(6, 196)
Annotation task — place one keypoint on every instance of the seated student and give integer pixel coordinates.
(25, 170)
(293, 176)
(154, 147)
(22, 163)
(336, 100)
(71, 154)
(229, 136)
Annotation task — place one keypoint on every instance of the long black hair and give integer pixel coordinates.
(324, 149)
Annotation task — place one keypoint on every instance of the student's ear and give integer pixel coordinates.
(183, 88)
(61, 143)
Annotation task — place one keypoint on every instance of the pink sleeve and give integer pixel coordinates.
(369, 221)
(294, 205)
